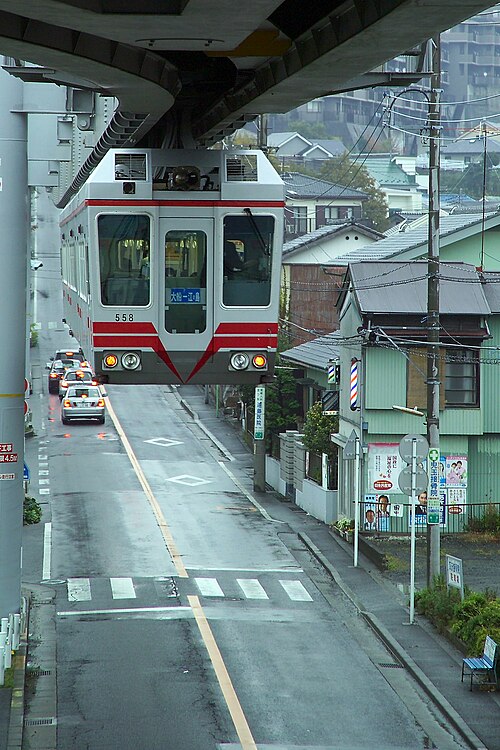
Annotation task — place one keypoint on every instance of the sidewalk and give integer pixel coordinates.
(433, 662)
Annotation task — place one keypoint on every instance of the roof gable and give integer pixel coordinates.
(384, 287)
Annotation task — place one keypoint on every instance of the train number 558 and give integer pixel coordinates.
(124, 317)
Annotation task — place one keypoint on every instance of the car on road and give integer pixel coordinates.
(83, 402)
(76, 375)
(68, 354)
(57, 369)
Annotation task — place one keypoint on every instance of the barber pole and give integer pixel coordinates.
(354, 384)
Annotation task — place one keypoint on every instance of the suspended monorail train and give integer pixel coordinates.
(171, 266)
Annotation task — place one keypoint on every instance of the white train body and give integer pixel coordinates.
(171, 266)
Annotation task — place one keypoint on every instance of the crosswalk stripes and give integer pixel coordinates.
(123, 588)
(253, 589)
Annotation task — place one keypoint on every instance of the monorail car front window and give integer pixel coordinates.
(247, 256)
(185, 281)
(124, 246)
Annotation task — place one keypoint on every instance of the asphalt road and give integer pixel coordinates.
(187, 615)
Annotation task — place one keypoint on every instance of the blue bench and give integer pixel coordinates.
(484, 667)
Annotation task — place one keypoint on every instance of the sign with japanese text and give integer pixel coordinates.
(384, 467)
(260, 405)
(185, 296)
(433, 496)
(454, 573)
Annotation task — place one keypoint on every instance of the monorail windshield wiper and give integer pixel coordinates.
(257, 232)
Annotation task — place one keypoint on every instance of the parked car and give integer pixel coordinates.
(76, 375)
(83, 402)
(57, 369)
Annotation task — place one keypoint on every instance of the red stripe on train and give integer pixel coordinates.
(221, 342)
(247, 328)
(123, 327)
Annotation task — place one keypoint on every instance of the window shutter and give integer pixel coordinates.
(416, 391)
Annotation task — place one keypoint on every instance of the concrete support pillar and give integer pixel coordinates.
(13, 262)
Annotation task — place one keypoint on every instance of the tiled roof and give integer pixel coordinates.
(396, 288)
(401, 242)
(304, 186)
(316, 353)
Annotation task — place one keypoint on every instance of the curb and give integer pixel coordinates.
(16, 720)
(204, 429)
(398, 651)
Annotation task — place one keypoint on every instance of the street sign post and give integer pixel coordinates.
(413, 479)
(405, 448)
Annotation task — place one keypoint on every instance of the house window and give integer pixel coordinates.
(314, 106)
(458, 374)
(297, 218)
(462, 380)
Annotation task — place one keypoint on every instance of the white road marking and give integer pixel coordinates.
(47, 541)
(209, 587)
(189, 480)
(164, 442)
(296, 591)
(44, 481)
(44, 491)
(42, 458)
(43, 472)
(131, 611)
(252, 588)
(79, 590)
(122, 588)
(286, 569)
(247, 494)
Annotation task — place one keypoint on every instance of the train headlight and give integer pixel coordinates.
(110, 361)
(240, 361)
(259, 361)
(131, 361)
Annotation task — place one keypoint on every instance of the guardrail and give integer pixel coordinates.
(11, 628)
(384, 516)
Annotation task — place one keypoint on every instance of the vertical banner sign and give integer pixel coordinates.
(260, 410)
(433, 496)
(354, 385)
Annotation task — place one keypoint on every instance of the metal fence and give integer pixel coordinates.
(395, 518)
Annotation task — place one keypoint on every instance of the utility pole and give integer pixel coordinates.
(13, 252)
(433, 326)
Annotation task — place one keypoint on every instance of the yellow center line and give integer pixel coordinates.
(160, 518)
(240, 723)
(11, 395)
(239, 720)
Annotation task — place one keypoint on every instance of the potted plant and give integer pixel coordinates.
(344, 527)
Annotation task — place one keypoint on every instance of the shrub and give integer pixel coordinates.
(471, 620)
(344, 524)
(438, 603)
(32, 511)
(33, 335)
(488, 522)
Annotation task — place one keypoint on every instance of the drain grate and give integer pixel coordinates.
(40, 722)
(391, 665)
(40, 672)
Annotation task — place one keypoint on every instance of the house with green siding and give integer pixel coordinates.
(383, 364)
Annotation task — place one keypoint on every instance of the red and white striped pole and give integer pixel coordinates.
(354, 393)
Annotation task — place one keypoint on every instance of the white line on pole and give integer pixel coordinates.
(47, 545)
(413, 525)
(356, 504)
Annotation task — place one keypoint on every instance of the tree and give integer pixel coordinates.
(470, 181)
(343, 171)
(310, 130)
(318, 428)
